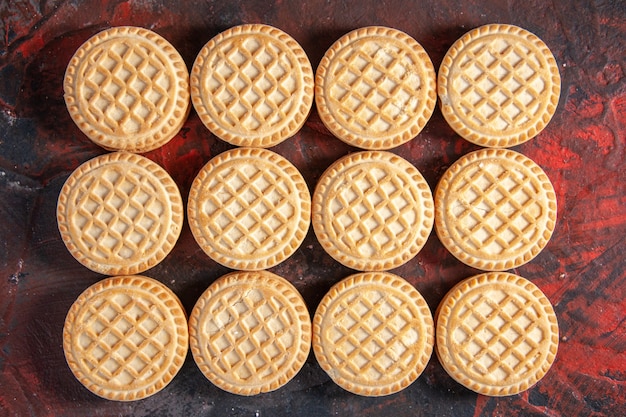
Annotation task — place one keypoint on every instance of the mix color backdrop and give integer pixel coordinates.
(583, 150)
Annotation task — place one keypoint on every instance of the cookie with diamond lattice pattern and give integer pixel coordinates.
(119, 213)
(373, 333)
(249, 208)
(127, 89)
(250, 332)
(495, 209)
(372, 211)
(252, 85)
(375, 88)
(497, 333)
(125, 338)
(498, 86)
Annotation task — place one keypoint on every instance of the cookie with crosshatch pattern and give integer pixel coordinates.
(119, 213)
(373, 333)
(249, 208)
(375, 88)
(497, 333)
(252, 85)
(372, 211)
(127, 88)
(495, 209)
(498, 86)
(250, 332)
(126, 337)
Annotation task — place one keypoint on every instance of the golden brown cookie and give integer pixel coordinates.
(372, 211)
(249, 208)
(119, 214)
(373, 333)
(498, 86)
(375, 88)
(252, 85)
(495, 209)
(126, 337)
(250, 332)
(497, 333)
(127, 89)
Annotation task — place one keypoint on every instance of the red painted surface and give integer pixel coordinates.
(582, 150)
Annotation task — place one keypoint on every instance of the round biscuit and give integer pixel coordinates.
(126, 337)
(497, 333)
(498, 86)
(127, 89)
(250, 332)
(375, 88)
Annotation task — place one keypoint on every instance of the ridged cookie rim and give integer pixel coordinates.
(170, 126)
(259, 279)
(426, 208)
(265, 140)
(174, 200)
(456, 122)
(440, 196)
(288, 171)
(442, 318)
(385, 280)
(175, 310)
(422, 116)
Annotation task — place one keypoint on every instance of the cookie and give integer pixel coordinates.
(252, 85)
(495, 209)
(127, 89)
(372, 211)
(497, 334)
(126, 337)
(498, 86)
(249, 209)
(250, 332)
(373, 333)
(119, 214)
(375, 88)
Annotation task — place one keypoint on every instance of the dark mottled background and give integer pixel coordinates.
(582, 270)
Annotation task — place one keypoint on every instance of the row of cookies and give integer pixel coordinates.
(250, 209)
(127, 88)
(125, 338)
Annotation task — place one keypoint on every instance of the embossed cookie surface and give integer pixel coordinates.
(252, 85)
(250, 332)
(375, 88)
(372, 211)
(373, 333)
(126, 337)
(127, 89)
(498, 86)
(495, 209)
(119, 213)
(249, 209)
(497, 334)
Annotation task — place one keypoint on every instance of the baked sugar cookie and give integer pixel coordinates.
(249, 209)
(373, 333)
(375, 88)
(252, 85)
(495, 209)
(497, 333)
(127, 89)
(372, 211)
(126, 337)
(250, 332)
(498, 86)
(119, 213)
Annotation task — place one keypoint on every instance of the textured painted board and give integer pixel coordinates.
(582, 270)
